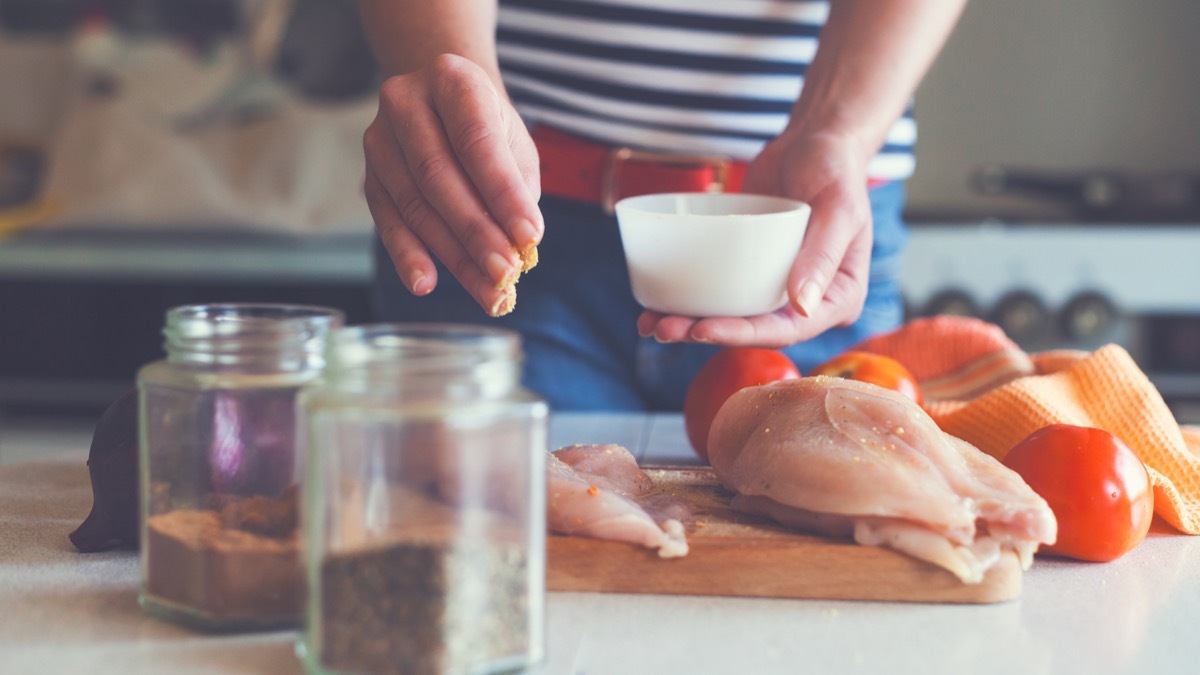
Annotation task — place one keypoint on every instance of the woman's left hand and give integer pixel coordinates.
(828, 282)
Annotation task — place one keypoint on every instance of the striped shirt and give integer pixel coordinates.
(691, 76)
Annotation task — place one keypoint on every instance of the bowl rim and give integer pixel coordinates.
(791, 205)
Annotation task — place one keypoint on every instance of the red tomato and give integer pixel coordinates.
(723, 375)
(874, 368)
(1097, 487)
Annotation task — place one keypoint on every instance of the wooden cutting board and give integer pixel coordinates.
(733, 554)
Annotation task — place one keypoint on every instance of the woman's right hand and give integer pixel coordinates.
(453, 173)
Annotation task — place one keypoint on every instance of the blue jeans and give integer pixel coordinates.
(577, 317)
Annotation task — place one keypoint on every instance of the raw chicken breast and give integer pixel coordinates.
(843, 457)
(609, 466)
(592, 492)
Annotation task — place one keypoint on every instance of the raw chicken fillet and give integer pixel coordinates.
(842, 457)
(598, 491)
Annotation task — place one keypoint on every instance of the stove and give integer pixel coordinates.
(1070, 285)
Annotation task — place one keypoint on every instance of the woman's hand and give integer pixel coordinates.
(828, 282)
(871, 57)
(453, 173)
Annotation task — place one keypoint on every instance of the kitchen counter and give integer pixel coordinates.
(195, 257)
(67, 612)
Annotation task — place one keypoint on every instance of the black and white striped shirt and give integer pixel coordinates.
(694, 76)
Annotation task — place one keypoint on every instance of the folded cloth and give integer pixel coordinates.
(953, 358)
(980, 386)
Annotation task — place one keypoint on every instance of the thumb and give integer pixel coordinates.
(837, 219)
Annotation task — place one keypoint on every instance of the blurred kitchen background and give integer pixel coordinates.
(161, 152)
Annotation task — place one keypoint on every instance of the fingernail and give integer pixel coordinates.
(809, 297)
(644, 333)
(419, 284)
(525, 234)
(504, 304)
(499, 269)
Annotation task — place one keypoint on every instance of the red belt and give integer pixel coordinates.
(592, 172)
(601, 174)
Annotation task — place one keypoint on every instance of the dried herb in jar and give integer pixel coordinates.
(424, 607)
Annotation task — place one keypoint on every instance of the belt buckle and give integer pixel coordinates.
(611, 181)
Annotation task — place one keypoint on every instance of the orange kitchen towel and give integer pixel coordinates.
(954, 358)
(979, 386)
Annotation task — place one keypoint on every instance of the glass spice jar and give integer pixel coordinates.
(220, 467)
(424, 512)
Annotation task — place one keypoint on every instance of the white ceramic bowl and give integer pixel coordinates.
(702, 254)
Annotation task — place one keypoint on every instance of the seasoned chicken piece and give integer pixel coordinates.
(847, 458)
(609, 466)
(592, 494)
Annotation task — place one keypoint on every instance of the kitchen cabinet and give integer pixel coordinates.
(82, 311)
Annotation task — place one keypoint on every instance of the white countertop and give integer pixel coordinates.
(64, 612)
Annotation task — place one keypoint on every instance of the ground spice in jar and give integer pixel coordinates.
(421, 607)
(238, 561)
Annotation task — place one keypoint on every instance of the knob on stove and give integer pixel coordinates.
(1088, 316)
(953, 302)
(1022, 315)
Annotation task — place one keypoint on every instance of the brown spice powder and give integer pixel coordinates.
(241, 563)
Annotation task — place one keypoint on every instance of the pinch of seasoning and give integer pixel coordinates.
(529, 257)
(767, 430)
(593, 490)
(899, 431)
